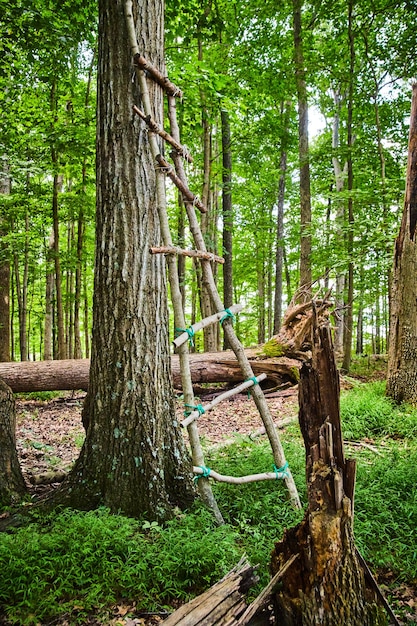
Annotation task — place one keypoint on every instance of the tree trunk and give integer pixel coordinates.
(22, 292)
(12, 485)
(326, 585)
(56, 185)
(4, 275)
(303, 152)
(48, 346)
(227, 214)
(340, 174)
(133, 459)
(210, 333)
(279, 254)
(348, 330)
(402, 350)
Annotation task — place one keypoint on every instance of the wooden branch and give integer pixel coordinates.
(207, 321)
(263, 598)
(155, 128)
(156, 75)
(222, 604)
(191, 253)
(188, 195)
(194, 415)
(240, 480)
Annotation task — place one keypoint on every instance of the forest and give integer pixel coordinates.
(251, 173)
(234, 63)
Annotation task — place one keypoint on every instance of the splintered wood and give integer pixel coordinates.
(222, 604)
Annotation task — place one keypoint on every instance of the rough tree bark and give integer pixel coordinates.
(133, 459)
(402, 351)
(12, 484)
(326, 584)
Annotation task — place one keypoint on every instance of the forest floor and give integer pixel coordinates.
(50, 435)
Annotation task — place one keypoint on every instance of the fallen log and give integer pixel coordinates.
(213, 367)
(281, 358)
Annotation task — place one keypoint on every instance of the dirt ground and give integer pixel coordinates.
(50, 435)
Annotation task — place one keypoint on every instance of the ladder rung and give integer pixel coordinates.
(199, 254)
(241, 480)
(188, 195)
(224, 396)
(155, 128)
(207, 321)
(159, 78)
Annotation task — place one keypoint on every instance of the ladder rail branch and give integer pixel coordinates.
(207, 321)
(194, 415)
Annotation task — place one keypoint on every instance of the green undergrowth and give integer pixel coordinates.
(74, 564)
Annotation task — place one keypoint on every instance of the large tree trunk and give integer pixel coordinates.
(326, 585)
(12, 485)
(402, 351)
(133, 459)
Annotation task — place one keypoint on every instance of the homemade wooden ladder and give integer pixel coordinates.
(224, 316)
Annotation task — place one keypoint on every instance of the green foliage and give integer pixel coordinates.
(367, 412)
(386, 509)
(76, 562)
(260, 511)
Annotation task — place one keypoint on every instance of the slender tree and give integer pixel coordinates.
(227, 212)
(4, 273)
(303, 150)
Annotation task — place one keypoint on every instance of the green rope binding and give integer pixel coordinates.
(255, 382)
(227, 314)
(190, 333)
(198, 407)
(281, 470)
(205, 474)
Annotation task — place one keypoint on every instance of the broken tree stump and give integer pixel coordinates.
(326, 585)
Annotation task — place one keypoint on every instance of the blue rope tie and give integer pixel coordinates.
(227, 314)
(205, 474)
(255, 382)
(281, 470)
(189, 331)
(198, 407)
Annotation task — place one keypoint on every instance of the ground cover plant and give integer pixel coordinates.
(77, 568)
